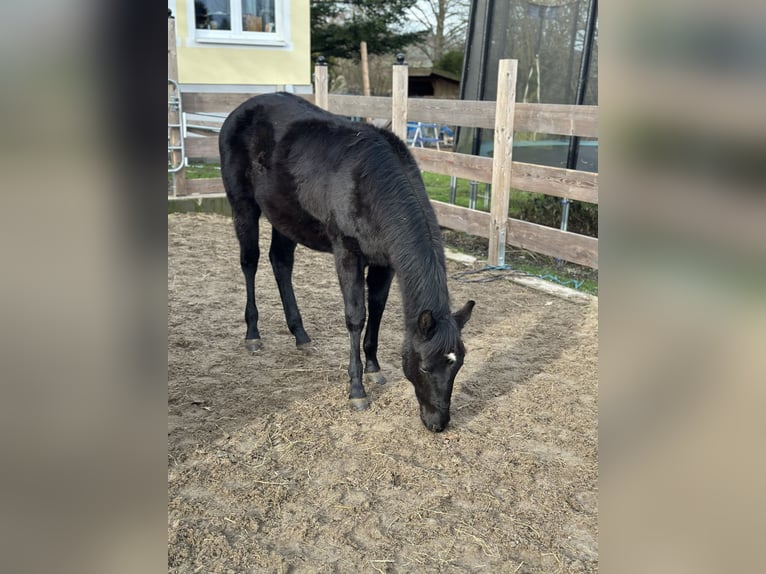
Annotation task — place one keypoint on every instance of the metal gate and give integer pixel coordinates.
(176, 151)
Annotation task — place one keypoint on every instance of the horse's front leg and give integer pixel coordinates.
(350, 269)
(378, 285)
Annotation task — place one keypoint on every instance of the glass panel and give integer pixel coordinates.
(258, 16)
(547, 38)
(212, 14)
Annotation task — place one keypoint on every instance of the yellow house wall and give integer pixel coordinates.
(236, 64)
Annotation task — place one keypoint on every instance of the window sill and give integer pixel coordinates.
(260, 41)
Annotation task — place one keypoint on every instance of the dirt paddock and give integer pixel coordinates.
(270, 471)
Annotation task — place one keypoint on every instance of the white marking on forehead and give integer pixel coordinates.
(451, 358)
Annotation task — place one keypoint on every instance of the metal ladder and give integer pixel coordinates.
(175, 130)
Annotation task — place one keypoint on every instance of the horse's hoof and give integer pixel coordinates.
(360, 404)
(307, 348)
(375, 377)
(253, 345)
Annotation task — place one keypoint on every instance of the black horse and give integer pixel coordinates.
(355, 191)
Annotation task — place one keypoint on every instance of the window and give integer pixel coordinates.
(241, 21)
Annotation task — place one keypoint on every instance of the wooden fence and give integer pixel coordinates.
(504, 116)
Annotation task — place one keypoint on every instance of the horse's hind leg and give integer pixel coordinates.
(245, 212)
(246, 215)
(378, 285)
(282, 257)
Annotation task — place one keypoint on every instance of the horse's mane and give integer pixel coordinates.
(410, 225)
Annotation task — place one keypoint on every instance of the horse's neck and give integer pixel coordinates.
(416, 252)
(423, 283)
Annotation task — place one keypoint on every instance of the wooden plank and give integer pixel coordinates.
(572, 247)
(194, 102)
(542, 118)
(204, 120)
(197, 131)
(361, 106)
(202, 147)
(558, 119)
(468, 113)
(560, 182)
(471, 167)
(399, 100)
(203, 186)
(554, 289)
(321, 85)
(565, 183)
(502, 159)
(462, 219)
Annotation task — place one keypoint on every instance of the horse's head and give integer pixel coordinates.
(431, 357)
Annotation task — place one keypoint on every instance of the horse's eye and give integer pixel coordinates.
(424, 371)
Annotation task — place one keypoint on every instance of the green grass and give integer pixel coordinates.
(199, 171)
(438, 188)
(203, 171)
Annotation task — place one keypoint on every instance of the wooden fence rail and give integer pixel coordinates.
(504, 116)
(542, 118)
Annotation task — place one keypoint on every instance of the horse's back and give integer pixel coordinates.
(317, 177)
(278, 109)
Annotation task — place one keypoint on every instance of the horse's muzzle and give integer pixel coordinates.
(435, 421)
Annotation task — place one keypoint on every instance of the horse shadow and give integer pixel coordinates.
(508, 367)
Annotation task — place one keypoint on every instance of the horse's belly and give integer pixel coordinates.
(306, 214)
(293, 222)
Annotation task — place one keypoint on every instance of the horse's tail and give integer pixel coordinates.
(236, 172)
(246, 142)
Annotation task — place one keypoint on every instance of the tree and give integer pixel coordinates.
(338, 27)
(445, 21)
(452, 62)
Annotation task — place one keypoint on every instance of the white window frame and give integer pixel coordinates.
(280, 38)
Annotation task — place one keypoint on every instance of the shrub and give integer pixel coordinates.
(546, 210)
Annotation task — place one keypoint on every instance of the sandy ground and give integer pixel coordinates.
(270, 471)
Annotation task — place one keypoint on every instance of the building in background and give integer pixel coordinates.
(432, 83)
(248, 46)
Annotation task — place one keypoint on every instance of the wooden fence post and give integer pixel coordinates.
(365, 74)
(174, 117)
(365, 69)
(321, 96)
(399, 98)
(501, 160)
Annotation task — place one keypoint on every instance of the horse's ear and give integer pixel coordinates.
(426, 324)
(462, 316)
